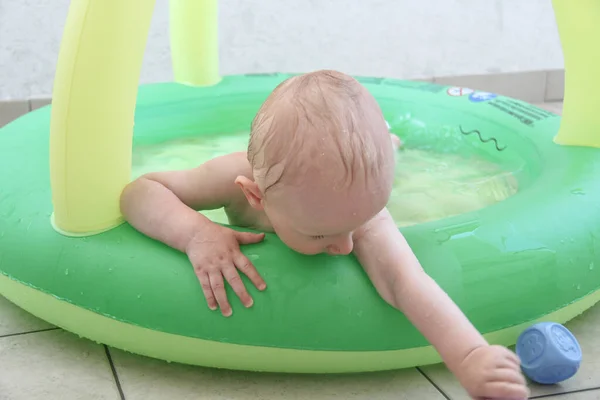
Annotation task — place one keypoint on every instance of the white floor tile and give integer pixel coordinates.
(15, 320)
(591, 395)
(149, 379)
(54, 365)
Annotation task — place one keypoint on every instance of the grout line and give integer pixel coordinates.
(545, 93)
(550, 395)
(27, 333)
(546, 86)
(433, 383)
(114, 372)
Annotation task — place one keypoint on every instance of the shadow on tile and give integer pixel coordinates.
(149, 379)
(39, 102)
(11, 110)
(555, 85)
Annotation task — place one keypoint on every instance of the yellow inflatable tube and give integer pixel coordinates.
(93, 105)
(95, 90)
(579, 31)
(194, 41)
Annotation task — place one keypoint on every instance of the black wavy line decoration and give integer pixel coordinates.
(491, 139)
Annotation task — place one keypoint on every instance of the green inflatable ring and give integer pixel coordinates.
(528, 258)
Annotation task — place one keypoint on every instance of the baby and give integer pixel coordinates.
(318, 171)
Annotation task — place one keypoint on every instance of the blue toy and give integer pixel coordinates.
(549, 353)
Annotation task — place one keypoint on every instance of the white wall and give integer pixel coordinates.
(395, 38)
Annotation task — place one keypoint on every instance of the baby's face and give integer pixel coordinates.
(313, 219)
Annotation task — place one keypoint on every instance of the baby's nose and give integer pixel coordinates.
(341, 246)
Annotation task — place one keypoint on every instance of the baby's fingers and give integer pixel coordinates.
(243, 264)
(218, 287)
(506, 358)
(505, 390)
(514, 359)
(232, 276)
(508, 375)
(207, 289)
(249, 237)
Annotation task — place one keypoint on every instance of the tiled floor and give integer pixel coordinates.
(38, 361)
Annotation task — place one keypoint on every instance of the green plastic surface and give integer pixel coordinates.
(514, 262)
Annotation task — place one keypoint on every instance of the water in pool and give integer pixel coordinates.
(428, 186)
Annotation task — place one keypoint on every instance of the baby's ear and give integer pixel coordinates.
(251, 191)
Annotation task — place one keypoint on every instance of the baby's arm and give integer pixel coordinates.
(484, 370)
(163, 205)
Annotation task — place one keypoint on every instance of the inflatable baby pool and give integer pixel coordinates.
(66, 256)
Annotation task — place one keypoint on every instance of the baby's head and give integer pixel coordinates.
(322, 161)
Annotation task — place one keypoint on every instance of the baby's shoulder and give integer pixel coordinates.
(230, 165)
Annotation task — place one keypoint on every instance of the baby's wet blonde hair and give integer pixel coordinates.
(324, 122)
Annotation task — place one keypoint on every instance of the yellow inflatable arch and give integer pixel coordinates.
(93, 103)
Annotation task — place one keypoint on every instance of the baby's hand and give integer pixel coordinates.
(215, 254)
(493, 372)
